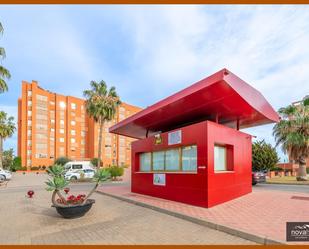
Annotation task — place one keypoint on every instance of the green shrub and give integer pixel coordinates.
(115, 171)
(7, 158)
(24, 168)
(276, 169)
(307, 170)
(16, 165)
(62, 160)
(94, 162)
(264, 156)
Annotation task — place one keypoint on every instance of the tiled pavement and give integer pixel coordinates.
(263, 213)
(110, 221)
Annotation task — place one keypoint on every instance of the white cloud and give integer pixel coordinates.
(267, 46)
(172, 46)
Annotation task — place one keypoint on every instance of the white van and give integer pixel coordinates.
(78, 165)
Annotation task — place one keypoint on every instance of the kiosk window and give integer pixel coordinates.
(145, 161)
(189, 158)
(158, 160)
(172, 160)
(220, 158)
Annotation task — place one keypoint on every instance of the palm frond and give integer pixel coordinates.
(2, 53)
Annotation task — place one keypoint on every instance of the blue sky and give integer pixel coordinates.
(149, 52)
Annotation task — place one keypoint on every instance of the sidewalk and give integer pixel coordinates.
(261, 214)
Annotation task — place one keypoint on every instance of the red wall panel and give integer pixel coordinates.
(224, 186)
(204, 187)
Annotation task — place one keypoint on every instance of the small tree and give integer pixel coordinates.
(115, 171)
(16, 164)
(264, 156)
(62, 160)
(7, 128)
(7, 159)
(95, 161)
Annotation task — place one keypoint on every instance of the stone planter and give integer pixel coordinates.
(70, 212)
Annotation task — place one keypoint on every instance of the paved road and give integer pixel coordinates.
(110, 221)
(282, 187)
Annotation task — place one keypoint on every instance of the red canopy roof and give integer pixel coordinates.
(222, 96)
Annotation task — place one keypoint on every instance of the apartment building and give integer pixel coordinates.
(52, 125)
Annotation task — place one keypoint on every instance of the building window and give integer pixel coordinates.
(121, 116)
(61, 131)
(73, 123)
(172, 162)
(51, 102)
(83, 133)
(73, 140)
(29, 142)
(61, 121)
(29, 123)
(220, 162)
(29, 113)
(52, 130)
(29, 93)
(61, 140)
(178, 159)
(28, 152)
(29, 132)
(121, 110)
(73, 106)
(158, 160)
(29, 103)
(41, 97)
(62, 104)
(52, 121)
(73, 132)
(189, 158)
(145, 161)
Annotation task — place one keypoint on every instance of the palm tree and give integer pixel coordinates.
(7, 128)
(4, 73)
(292, 132)
(101, 105)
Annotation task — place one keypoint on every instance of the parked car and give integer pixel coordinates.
(78, 165)
(258, 177)
(5, 174)
(77, 174)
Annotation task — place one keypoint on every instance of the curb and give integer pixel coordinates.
(223, 228)
(284, 183)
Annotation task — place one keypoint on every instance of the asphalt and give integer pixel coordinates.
(282, 187)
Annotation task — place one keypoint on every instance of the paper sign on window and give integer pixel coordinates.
(159, 179)
(174, 137)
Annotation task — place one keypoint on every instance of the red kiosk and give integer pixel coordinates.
(190, 148)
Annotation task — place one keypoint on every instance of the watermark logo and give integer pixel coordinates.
(297, 231)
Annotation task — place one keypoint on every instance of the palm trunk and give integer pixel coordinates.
(100, 143)
(302, 173)
(91, 192)
(54, 202)
(54, 198)
(1, 152)
(61, 197)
